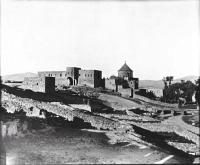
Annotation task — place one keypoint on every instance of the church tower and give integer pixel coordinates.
(125, 72)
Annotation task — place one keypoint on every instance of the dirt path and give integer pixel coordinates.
(119, 103)
(177, 120)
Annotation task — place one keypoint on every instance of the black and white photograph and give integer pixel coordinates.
(99, 82)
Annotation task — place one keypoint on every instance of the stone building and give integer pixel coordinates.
(49, 84)
(125, 72)
(92, 78)
(125, 83)
(72, 76)
(60, 77)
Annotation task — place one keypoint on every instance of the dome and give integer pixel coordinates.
(125, 67)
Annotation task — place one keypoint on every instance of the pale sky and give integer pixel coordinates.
(156, 39)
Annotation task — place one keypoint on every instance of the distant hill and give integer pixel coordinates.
(18, 76)
(159, 83)
(151, 84)
(186, 78)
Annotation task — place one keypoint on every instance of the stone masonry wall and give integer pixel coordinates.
(68, 113)
(125, 92)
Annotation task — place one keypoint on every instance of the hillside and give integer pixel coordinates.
(151, 84)
(186, 78)
(18, 76)
(159, 83)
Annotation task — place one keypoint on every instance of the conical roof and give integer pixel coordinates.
(125, 67)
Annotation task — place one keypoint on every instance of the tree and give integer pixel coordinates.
(175, 91)
(145, 93)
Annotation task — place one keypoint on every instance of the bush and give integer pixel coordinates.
(172, 93)
(147, 94)
(86, 91)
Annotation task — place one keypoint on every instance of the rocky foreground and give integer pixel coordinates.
(128, 127)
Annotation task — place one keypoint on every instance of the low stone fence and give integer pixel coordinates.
(81, 106)
(68, 112)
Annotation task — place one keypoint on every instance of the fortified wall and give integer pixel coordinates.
(72, 76)
(90, 78)
(125, 83)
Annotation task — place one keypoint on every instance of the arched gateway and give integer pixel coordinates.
(69, 81)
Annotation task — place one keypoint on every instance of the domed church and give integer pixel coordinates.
(125, 72)
(125, 83)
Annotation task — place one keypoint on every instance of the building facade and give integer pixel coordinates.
(72, 76)
(125, 83)
(92, 78)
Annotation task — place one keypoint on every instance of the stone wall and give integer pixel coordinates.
(68, 113)
(126, 92)
(32, 81)
(133, 83)
(49, 84)
(110, 84)
(39, 82)
(81, 106)
(73, 73)
(91, 78)
(61, 77)
(61, 81)
(125, 74)
(72, 76)
(52, 74)
(114, 83)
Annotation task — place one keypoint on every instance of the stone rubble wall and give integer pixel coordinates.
(162, 128)
(32, 82)
(17, 103)
(81, 106)
(126, 92)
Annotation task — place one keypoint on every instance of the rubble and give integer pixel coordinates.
(9, 100)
